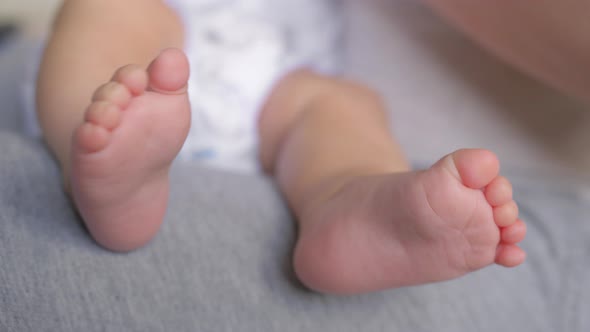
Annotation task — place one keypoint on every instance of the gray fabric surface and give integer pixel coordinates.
(222, 263)
(11, 69)
(222, 259)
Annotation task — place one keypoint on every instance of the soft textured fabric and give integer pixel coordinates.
(12, 71)
(222, 260)
(222, 263)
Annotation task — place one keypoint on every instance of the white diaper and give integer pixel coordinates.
(237, 50)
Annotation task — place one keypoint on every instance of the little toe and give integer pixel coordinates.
(90, 138)
(510, 255)
(514, 233)
(133, 77)
(113, 92)
(476, 168)
(104, 114)
(506, 215)
(499, 191)
(169, 72)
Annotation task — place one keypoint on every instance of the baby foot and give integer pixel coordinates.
(121, 154)
(411, 228)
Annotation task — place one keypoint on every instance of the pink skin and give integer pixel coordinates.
(404, 229)
(121, 154)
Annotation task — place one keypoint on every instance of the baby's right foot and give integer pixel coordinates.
(121, 154)
(404, 229)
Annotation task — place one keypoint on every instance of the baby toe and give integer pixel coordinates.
(169, 72)
(113, 92)
(514, 233)
(510, 255)
(505, 215)
(90, 138)
(476, 168)
(104, 114)
(133, 77)
(499, 191)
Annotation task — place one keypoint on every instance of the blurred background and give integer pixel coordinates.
(444, 91)
(23, 24)
(32, 15)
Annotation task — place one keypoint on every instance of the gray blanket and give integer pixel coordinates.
(222, 263)
(222, 259)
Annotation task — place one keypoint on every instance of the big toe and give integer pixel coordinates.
(476, 168)
(169, 72)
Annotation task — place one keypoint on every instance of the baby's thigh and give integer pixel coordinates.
(547, 38)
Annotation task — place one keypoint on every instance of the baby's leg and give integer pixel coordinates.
(128, 130)
(366, 222)
(546, 38)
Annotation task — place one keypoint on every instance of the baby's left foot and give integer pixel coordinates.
(122, 152)
(411, 228)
